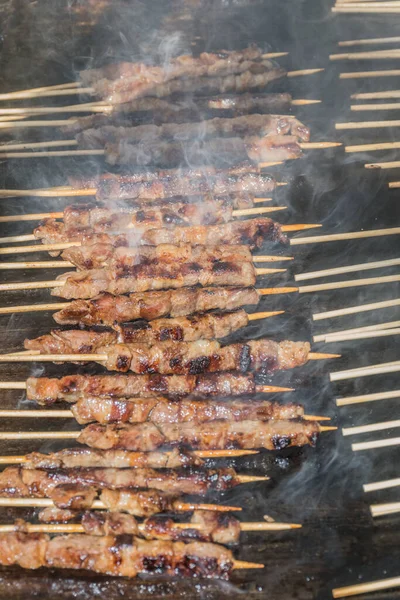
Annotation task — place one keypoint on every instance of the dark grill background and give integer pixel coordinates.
(41, 45)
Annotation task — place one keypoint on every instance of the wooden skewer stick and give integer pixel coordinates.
(377, 54)
(376, 95)
(390, 508)
(377, 327)
(68, 414)
(332, 339)
(40, 90)
(394, 184)
(261, 389)
(368, 41)
(274, 54)
(352, 235)
(368, 74)
(394, 164)
(367, 398)
(366, 588)
(386, 443)
(330, 314)
(303, 72)
(348, 269)
(76, 528)
(98, 505)
(350, 8)
(381, 485)
(369, 428)
(373, 147)
(7, 310)
(103, 357)
(54, 153)
(379, 369)
(368, 124)
(366, 107)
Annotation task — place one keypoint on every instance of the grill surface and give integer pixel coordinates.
(322, 487)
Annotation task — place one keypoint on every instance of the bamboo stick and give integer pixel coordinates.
(383, 106)
(18, 238)
(377, 327)
(53, 144)
(353, 235)
(367, 124)
(332, 339)
(375, 54)
(376, 95)
(330, 314)
(7, 310)
(350, 9)
(48, 193)
(367, 74)
(40, 90)
(373, 147)
(349, 269)
(369, 428)
(379, 369)
(386, 443)
(337, 285)
(368, 41)
(379, 510)
(367, 398)
(51, 153)
(303, 72)
(44, 264)
(366, 588)
(381, 485)
(394, 184)
(394, 164)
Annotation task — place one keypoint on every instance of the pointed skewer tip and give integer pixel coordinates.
(242, 564)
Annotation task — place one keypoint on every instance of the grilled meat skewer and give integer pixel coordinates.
(233, 150)
(208, 526)
(161, 410)
(201, 356)
(71, 458)
(107, 309)
(142, 278)
(249, 125)
(216, 435)
(179, 111)
(124, 556)
(250, 232)
(46, 391)
(21, 482)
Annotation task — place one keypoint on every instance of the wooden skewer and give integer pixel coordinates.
(367, 398)
(68, 414)
(377, 327)
(68, 191)
(40, 90)
(366, 107)
(390, 508)
(367, 74)
(390, 367)
(369, 428)
(54, 153)
(349, 269)
(303, 72)
(103, 357)
(394, 184)
(332, 339)
(376, 95)
(98, 505)
(394, 164)
(76, 528)
(353, 235)
(367, 124)
(381, 485)
(330, 314)
(368, 41)
(377, 54)
(366, 588)
(37, 110)
(349, 8)
(388, 442)
(261, 389)
(373, 147)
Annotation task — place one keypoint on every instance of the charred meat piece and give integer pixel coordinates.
(107, 309)
(271, 435)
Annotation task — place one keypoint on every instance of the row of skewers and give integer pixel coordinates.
(388, 328)
(169, 258)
